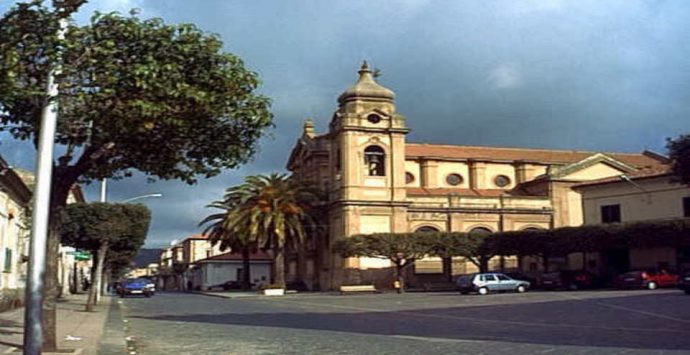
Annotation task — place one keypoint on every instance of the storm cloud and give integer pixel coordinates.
(587, 75)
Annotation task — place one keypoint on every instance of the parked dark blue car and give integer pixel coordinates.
(135, 287)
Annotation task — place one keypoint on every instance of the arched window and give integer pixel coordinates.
(480, 231)
(374, 158)
(426, 229)
(409, 178)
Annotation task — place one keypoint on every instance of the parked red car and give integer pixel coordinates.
(647, 279)
(684, 282)
(568, 280)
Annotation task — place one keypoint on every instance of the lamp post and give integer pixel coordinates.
(33, 313)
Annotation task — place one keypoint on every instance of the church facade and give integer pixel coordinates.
(378, 182)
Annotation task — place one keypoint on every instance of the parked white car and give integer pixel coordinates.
(483, 283)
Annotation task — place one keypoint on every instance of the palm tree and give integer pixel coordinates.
(221, 230)
(270, 211)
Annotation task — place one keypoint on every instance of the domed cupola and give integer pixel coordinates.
(366, 88)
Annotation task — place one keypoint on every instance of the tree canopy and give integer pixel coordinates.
(402, 249)
(134, 94)
(112, 232)
(679, 152)
(88, 225)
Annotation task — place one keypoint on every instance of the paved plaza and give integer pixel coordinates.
(599, 322)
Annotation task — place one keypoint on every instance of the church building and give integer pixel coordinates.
(378, 182)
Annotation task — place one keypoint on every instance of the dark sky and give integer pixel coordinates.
(586, 75)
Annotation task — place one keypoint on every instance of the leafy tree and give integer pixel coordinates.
(469, 246)
(402, 249)
(271, 211)
(104, 229)
(134, 94)
(679, 152)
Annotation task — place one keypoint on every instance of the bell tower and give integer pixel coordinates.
(368, 162)
(368, 143)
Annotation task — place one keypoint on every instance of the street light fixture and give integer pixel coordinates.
(140, 197)
(627, 179)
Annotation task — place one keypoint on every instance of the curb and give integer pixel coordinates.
(223, 296)
(113, 340)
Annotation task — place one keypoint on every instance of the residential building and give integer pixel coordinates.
(218, 269)
(376, 181)
(177, 260)
(15, 197)
(647, 195)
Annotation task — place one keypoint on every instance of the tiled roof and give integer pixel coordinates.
(258, 256)
(525, 154)
(648, 173)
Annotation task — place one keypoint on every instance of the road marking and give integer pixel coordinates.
(623, 308)
(480, 320)
(436, 340)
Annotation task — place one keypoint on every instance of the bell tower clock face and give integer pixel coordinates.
(374, 118)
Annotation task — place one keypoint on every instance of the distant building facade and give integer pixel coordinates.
(376, 181)
(177, 260)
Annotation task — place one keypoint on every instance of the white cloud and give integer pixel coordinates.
(505, 76)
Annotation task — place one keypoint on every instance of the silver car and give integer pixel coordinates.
(483, 283)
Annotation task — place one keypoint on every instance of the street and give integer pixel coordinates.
(605, 322)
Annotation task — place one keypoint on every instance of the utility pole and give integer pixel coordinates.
(33, 313)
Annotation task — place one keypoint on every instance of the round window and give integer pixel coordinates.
(374, 118)
(409, 178)
(454, 179)
(502, 181)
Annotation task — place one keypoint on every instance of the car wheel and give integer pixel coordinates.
(521, 289)
(652, 285)
(483, 291)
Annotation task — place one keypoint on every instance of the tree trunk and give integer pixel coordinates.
(95, 285)
(448, 268)
(246, 269)
(90, 297)
(75, 279)
(62, 184)
(301, 264)
(279, 267)
(400, 278)
(50, 291)
(105, 281)
(545, 263)
(483, 263)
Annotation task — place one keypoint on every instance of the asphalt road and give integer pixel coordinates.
(599, 322)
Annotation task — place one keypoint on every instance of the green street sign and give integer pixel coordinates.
(82, 255)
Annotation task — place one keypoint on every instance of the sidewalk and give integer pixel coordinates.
(77, 330)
